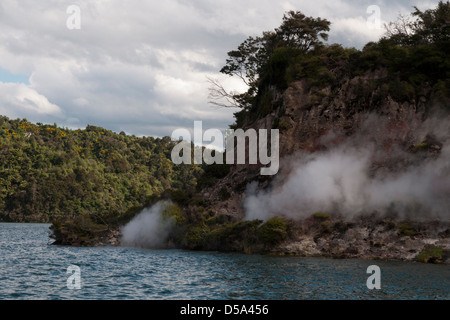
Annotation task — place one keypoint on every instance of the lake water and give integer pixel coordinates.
(31, 268)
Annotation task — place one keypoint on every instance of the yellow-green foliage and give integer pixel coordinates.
(233, 236)
(430, 253)
(174, 212)
(217, 220)
(406, 229)
(420, 147)
(406, 65)
(50, 173)
(273, 230)
(195, 236)
(322, 216)
(244, 236)
(81, 230)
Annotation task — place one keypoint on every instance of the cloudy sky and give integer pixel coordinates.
(141, 66)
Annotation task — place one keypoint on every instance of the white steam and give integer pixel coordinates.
(342, 180)
(149, 229)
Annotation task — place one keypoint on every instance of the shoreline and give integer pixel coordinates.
(378, 242)
(359, 242)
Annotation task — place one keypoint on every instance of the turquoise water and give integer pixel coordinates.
(30, 268)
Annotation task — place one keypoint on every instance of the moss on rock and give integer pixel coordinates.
(431, 254)
(273, 231)
(406, 229)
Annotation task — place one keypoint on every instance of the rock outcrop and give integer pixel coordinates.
(311, 120)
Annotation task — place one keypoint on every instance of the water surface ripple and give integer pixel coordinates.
(30, 268)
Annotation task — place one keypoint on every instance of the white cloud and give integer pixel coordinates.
(19, 100)
(356, 30)
(142, 66)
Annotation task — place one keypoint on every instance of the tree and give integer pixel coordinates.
(220, 97)
(301, 32)
(245, 63)
(401, 30)
(431, 26)
(249, 60)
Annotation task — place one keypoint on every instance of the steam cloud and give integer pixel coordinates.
(149, 229)
(342, 179)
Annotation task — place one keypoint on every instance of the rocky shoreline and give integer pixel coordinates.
(382, 241)
(427, 242)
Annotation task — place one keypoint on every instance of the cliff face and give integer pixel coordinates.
(401, 136)
(314, 120)
(343, 112)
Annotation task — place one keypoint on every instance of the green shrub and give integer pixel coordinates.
(322, 216)
(218, 220)
(234, 236)
(430, 254)
(322, 78)
(81, 231)
(389, 224)
(273, 231)
(173, 211)
(423, 146)
(195, 237)
(406, 229)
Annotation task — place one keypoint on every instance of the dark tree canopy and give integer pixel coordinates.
(431, 26)
(47, 172)
(301, 32)
(251, 57)
(414, 53)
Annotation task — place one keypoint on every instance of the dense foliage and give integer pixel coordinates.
(201, 229)
(412, 57)
(48, 173)
(409, 66)
(86, 181)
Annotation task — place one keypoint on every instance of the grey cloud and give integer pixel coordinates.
(145, 62)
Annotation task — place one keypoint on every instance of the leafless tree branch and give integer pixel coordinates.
(220, 97)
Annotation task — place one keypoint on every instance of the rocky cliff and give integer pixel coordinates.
(313, 121)
(364, 147)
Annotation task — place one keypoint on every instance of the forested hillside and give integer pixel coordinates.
(409, 63)
(48, 172)
(388, 102)
(392, 96)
